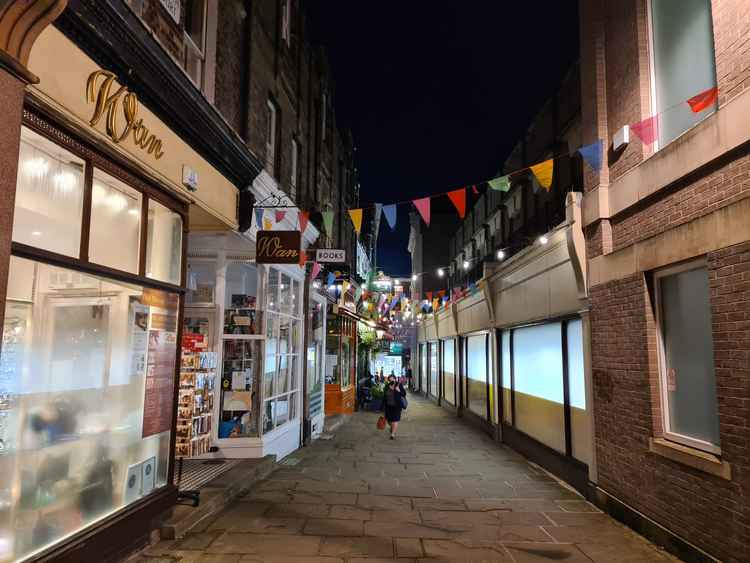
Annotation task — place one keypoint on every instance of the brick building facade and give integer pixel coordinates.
(670, 356)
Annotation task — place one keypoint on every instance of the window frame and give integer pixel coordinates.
(668, 434)
(117, 169)
(294, 173)
(286, 22)
(271, 135)
(199, 49)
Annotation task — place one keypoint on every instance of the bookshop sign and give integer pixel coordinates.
(277, 247)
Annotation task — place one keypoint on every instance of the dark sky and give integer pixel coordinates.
(438, 93)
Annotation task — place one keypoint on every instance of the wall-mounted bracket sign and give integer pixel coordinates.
(99, 92)
(277, 247)
(329, 255)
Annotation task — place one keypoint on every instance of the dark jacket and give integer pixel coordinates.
(397, 394)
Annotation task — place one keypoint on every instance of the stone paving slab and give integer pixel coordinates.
(439, 492)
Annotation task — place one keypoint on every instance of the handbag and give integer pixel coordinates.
(381, 423)
(404, 402)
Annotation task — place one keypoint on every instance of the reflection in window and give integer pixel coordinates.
(434, 386)
(49, 196)
(115, 223)
(74, 404)
(314, 358)
(505, 362)
(164, 244)
(449, 367)
(240, 310)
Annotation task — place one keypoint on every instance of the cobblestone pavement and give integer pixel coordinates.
(440, 491)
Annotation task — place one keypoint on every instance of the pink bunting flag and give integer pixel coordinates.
(647, 130)
(423, 206)
(303, 217)
(315, 270)
(280, 216)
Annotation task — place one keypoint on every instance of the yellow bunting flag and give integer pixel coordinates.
(267, 224)
(543, 173)
(356, 215)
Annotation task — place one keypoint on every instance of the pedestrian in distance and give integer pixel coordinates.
(394, 401)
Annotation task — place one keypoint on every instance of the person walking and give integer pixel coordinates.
(393, 403)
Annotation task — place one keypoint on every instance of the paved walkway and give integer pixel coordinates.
(440, 491)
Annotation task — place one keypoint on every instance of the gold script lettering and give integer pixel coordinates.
(99, 92)
(271, 247)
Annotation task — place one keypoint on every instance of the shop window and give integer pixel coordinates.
(163, 244)
(423, 367)
(286, 22)
(115, 223)
(449, 371)
(688, 381)
(505, 375)
(476, 371)
(271, 132)
(241, 314)
(538, 383)
(434, 383)
(86, 371)
(282, 351)
(49, 196)
(683, 62)
(315, 357)
(195, 40)
(579, 420)
(201, 282)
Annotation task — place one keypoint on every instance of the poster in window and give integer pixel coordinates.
(139, 339)
(160, 365)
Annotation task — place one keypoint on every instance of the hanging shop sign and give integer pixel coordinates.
(121, 102)
(330, 255)
(277, 247)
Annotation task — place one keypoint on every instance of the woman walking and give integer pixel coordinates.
(393, 403)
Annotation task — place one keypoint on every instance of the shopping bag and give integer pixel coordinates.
(404, 402)
(381, 423)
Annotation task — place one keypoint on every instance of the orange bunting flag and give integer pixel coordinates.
(429, 295)
(458, 197)
(705, 99)
(543, 173)
(267, 226)
(435, 303)
(303, 217)
(356, 215)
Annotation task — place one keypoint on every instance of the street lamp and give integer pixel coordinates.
(414, 277)
(543, 240)
(466, 264)
(500, 254)
(440, 272)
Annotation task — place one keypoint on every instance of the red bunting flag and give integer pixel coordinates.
(280, 216)
(423, 206)
(429, 295)
(315, 270)
(303, 217)
(647, 130)
(705, 99)
(474, 190)
(302, 258)
(458, 197)
(441, 293)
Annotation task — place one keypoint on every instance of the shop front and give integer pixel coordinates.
(340, 362)
(90, 359)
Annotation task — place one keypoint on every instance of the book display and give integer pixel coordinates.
(196, 394)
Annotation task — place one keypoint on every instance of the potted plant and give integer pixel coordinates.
(377, 391)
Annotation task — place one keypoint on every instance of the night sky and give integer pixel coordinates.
(438, 93)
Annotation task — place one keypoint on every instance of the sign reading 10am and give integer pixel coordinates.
(330, 255)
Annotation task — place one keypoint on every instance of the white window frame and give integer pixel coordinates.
(662, 357)
(199, 49)
(271, 138)
(294, 172)
(286, 22)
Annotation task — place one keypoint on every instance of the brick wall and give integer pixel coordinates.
(732, 46)
(724, 183)
(231, 62)
(169, 33)
(708, 511)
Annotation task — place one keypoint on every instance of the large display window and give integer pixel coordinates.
(449, 371)
(422, 367)
(90, 342)
(434, 388)
(315, 351)
(476, 374)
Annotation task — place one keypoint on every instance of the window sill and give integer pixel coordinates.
(702, 461)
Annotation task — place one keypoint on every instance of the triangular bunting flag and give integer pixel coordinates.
(328, 222)
(474, 190)
(705, 99)
(259, 218)
(315, 270)
(647, 130)
(592, 154)
(501, 183)
(423, 206)
(302, 258)
(331, 278)
(441, 293)
(390, 215)
(435, 304)
(356, 215)
(303, 217)
(429, 295)
(458, 198)
(394, 301)
(280, 216)
(267, 225)
(543, 173)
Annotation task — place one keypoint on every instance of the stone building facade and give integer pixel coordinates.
(669, 269)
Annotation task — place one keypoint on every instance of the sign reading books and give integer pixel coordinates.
(277, 247)
(328, 255)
